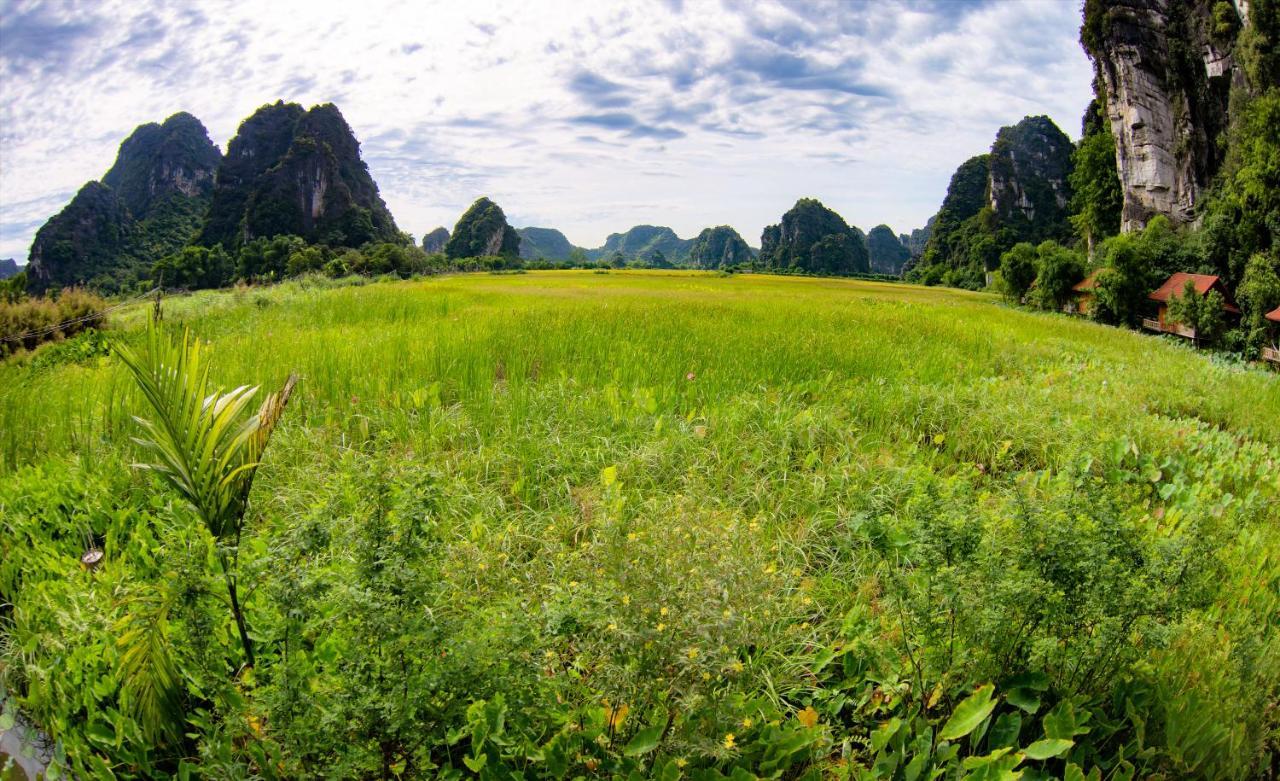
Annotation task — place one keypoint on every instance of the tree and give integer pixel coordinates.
(1258, 294)
(1057, 270)
(1018, 269)
(203, 443)
(1096, 199)
(1202, 314)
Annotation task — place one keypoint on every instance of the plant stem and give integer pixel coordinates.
(235, 609)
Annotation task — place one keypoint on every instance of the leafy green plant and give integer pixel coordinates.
(202, 442)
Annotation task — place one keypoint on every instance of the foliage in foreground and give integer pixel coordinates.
(555, 552)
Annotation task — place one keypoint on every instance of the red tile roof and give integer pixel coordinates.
(1273, 314)
(1088, 283)
(1174, 285)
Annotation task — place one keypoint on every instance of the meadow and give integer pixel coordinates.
(657, 524)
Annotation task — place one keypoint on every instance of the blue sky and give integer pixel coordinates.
(589, 117)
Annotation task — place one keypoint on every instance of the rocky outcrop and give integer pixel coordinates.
(887, 255)
(148, 205)
(434, 241)
(93, 240)
(8, 268)
(1165, 70)
(1027, 187)
(718, 247)
(1019, 191)
(158, 162)
(290, 171)
(644, 242)
(814, 239)
(483, 231)
(915, 241)
(544, 244)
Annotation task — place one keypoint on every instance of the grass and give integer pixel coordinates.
(670, 489)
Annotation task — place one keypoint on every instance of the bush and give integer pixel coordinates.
(31, 321)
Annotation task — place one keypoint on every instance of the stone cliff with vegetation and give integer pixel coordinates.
(813, 239)
(149, 204)
(291, 171)
(718, 247)
(482, 231)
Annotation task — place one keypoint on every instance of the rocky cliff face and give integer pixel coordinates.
(814, 239)
(290, 171)
(434, 241)
(718, 247)
(148, 205)
(886, 253)
(1027, 187)
(544, 244)
(1165, 69)
(1019, 191)
(8, 268)
(483, 231)
(915, 241)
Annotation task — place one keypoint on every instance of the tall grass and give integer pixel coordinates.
(677, 490)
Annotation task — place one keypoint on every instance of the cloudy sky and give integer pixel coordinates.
(585, 116)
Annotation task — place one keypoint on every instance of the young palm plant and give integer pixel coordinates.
(202, 442)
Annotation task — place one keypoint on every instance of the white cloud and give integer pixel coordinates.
(589, 117)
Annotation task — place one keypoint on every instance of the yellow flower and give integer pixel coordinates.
(706, 676)
(746, 723)
(736, 667)
(626, 599)
(808, 717)
(681, 762)
(613, 627)
(632, 536)
(661, 626)
(727, 612)
(693, 653)
(728, 740)
(663, 611)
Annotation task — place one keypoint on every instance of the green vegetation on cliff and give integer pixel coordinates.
(718, 247)
(483, 231)
(295, 172)
(813, 239)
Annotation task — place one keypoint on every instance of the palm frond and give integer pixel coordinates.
(150, 683)
(200, 440)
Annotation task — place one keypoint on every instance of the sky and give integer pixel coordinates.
(589, 117)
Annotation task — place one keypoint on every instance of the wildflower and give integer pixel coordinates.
(693, 653)
(727, 612)
(690, 376)
(663, 611)
(613, 627)
(746, 723)
(808, 717)
(661, 626)
(706, 676)
(626, 599)
(728, 740)
(736, 667)
(632, 536)
(681, 762)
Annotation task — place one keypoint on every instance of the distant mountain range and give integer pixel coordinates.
(296, 171)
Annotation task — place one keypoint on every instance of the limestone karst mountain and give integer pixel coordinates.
(1019, 191)
(149, 204)
(641, 242)
(483, 231)
(435, 240)
(886, 253)
(718, 247)
(295, 171)
(814, 239)
(544, 244)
